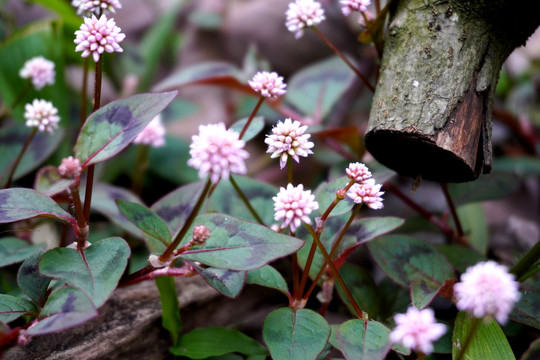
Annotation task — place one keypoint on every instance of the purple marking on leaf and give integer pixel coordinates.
(120, 115)
(171, 212)
(69, 305)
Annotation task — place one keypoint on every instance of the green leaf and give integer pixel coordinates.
(521, 166)
(66, 307)
(237, 244)
(103, 201)
(63, 9)
(295, 334)
(14, 250)
(214, 341)
(226, 200)
(527, 309)
(31, 282)
(486, 187)
(96, 270)
(403, 258)
(228, 282)
(145, 219)
(12, 138)
(460, 257)
(362, 287)
(49, 182)
(363, 340)
(20, 204)
(212, 72)
(113, 127)
(269, 277)
(256, 126)
(327, 194)
(488, 343)
(12, 307)
(473, 222)
(170, 307)
(533, 352)
(317, 88)
(174, 155)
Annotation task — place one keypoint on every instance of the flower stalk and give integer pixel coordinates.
(19, 157)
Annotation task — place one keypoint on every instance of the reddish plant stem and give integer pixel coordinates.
(19, 157)
(443, 226)
(137, 274)
(344, 58)
(166, 271)
(82, 224)
(295, 276)
(245, 200)
(333, 251)
(289, 170)
(250, 119)
(166, 256)
(452, 208)
(335, 272)
(90, 173)
(84, 89)
(378, 47)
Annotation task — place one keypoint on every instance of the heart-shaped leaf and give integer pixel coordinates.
(66, 307)
(295, 334)
(215, 341)
(238, 244)
(363, 340)
(31, 282)
(20, 204)
(145, 219)
(269, 277)
(96, 270)
(423, 291)
(488, 342)
(114, 126)
(228, 282)
(14, 250)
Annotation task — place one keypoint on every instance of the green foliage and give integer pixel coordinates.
(170, 307)
(269, 277)
(14, 250)
(295, 334)
(489, 342)
(363, 340)
(363, 289)
(12, 307)
(228, 282)
(214, 341)
(145, 219)
(95, 270)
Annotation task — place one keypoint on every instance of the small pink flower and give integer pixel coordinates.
(293, 205)
(217, 152)
(39, 70)
(41, 114)
(70, 167)
(96, 6)
(368, 193)
(347, 6)
(487, 288)
(302, 14)
(358, 172)
(417, 330)
(98, 36)
(269, 85)
(153, 134)
(288, 139)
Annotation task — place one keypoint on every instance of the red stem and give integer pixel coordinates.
(19, 157)
(250, 119)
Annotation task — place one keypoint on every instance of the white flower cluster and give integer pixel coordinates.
(364, 190)
(288, 139)
(41, 114)
(302, 14)
(39, 70)
(97, 36)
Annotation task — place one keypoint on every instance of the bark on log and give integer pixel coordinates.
(431, 112)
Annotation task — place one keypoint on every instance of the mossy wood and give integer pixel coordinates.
(431, 113)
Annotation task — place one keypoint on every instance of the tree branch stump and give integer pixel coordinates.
(431, 112)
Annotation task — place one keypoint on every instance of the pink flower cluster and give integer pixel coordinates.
(98, 36)
(487, 288)
(70, 167)
(41, 114)
(417, 330)
(217, 152)
(39, 70)
(288, 139)
(302, 14)
(96, 6)
(269, 85)
(347, 6)
(364, 190)
(153, 134)
(292, 205)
